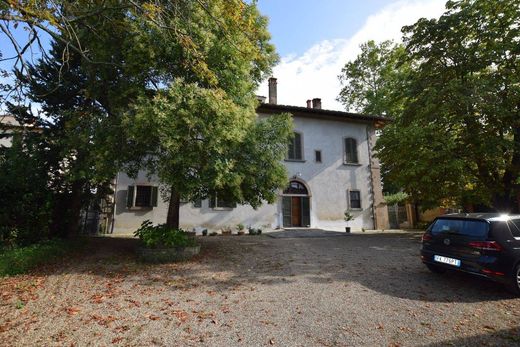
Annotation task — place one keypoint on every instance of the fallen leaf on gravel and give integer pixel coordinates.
(72, 310)
(152, 317)
(488, 327)
(181, 315)
(134, 302)
(97, 299)
(380, 327)
(4, 327)
(117, 339)
(122, 328)
(271, 342)
(104, 321)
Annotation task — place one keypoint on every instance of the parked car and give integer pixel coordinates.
(483, 244)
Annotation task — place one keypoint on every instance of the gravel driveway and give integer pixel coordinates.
(368, 289)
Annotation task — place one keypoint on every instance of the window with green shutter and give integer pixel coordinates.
(220, 202)
(355, 199)
(142, 196)
(295, 148)
(351, 154)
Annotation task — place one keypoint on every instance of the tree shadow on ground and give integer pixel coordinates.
(385, 263)
(505, 337)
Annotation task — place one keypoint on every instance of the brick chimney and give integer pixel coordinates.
(272, 91)
(309, 104)
(316, 103)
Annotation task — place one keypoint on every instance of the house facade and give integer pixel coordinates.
(331, 168)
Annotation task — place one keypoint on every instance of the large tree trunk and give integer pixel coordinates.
(503, 203)
(172, 219)
(73, 220)
(67, 211)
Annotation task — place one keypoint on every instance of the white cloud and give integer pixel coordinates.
(314, 73)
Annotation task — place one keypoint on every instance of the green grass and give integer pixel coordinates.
(21, 260)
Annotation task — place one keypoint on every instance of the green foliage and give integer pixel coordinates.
(397, 198)
(240, 227)
(20, 260)
(371, 81)
(26, 201)
(348, 216)
(455, 138)
(254, 231)
(193, 64)
(163, 236)
(199, 142)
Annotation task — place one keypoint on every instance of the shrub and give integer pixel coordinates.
(22, 259)
(348, 216)
(163, 236)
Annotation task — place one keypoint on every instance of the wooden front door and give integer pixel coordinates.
(296, 212)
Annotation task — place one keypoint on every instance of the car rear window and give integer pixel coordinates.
(466, 227)
(514, 227)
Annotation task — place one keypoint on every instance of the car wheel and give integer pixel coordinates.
(436, 269)
(514, 286)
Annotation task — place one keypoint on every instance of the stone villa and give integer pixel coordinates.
(331, 168)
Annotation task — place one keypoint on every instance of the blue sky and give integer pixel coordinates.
(316, 38)
(296, 25)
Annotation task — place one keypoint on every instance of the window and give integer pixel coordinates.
(464, 227)
(220, 202)
(295, 148)
(296, 188)
(317, 155)
(355, 199)
(197, 203)
(141, 196)
(351, 155)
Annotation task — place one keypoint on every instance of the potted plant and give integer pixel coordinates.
(226, 231)
(213, 233)
(162, 244)
(252, 231)
(205, 232)
(240, 229)
(348, 217)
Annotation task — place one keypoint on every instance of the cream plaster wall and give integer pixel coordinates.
(328, 182)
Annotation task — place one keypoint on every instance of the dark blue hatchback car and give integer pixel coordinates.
(484, 244)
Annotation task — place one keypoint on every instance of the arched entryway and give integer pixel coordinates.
(296, 205)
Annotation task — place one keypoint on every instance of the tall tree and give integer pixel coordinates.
(371, 82)
(200, 143)
(172, 79)
(461, 126)
(74, 131)
(456, 140)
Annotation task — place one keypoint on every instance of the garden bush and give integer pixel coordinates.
(19, 260)
(163, 236)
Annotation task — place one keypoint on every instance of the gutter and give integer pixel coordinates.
(371, 176)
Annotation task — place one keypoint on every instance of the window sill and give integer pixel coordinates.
(140, 208)
(296, 160)
(217, 209)
(355, 209)
(352, 164)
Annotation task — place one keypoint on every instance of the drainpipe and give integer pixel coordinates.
(371, 177)
(114, 205)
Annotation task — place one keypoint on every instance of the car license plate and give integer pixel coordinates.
(446, 260)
